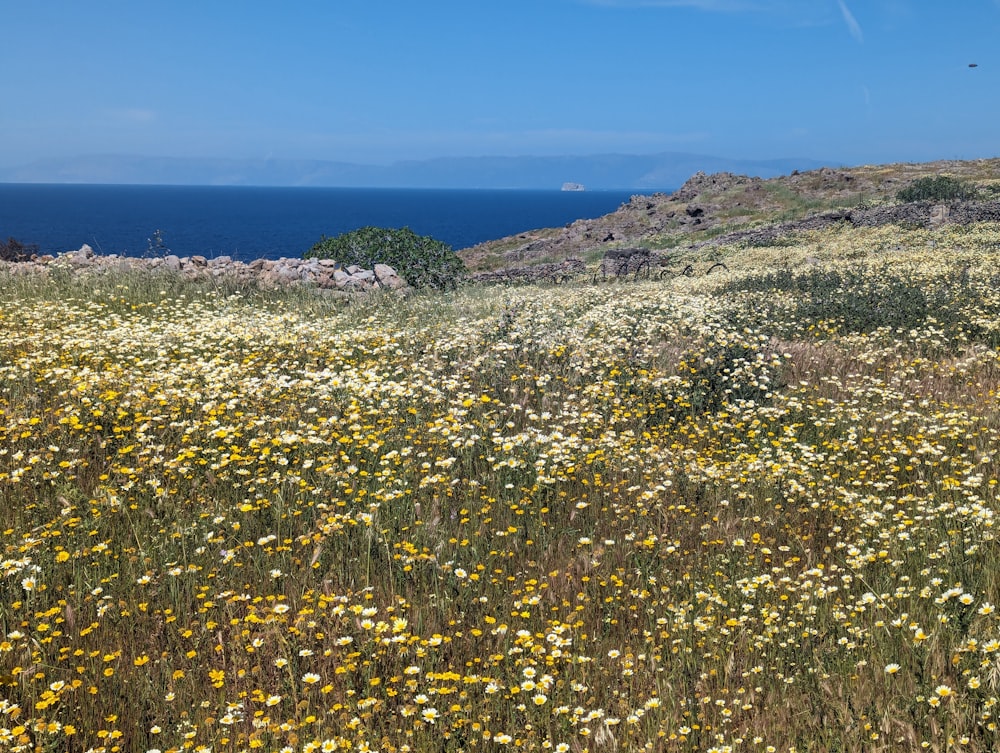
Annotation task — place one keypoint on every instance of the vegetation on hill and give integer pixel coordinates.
(938, 188)
(421, 260)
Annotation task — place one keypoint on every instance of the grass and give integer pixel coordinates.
(714, 513)
(791, 205)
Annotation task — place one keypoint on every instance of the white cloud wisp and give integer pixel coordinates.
(852, 23)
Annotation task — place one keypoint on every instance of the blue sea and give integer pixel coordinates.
(248, 223)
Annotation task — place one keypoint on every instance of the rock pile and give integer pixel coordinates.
(325, 274)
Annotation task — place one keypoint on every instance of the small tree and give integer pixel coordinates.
(421, 260)
(938, 188)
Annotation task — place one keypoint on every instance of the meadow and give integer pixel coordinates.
(749, 511)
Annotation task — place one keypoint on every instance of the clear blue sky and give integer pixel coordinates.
(847, 81)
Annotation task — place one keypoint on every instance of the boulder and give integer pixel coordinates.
(388, 277)
(81, 257)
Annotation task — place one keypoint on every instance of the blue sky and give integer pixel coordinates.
(845, 81)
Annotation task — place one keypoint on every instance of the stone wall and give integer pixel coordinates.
(268, 273)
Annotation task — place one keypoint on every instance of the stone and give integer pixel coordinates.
(81, 257)
(388, 277)
(939, 214)
(355, 283)
(287, 273)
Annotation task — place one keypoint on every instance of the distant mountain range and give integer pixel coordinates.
(666, 170)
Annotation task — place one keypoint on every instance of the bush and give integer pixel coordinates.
(938, 188)
(13, 250)
(862, 300)
(421, 260)
(857, 300)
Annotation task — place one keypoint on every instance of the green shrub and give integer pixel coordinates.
(857, 300)
(13, 250)
(864, 300)
(938, 188)
(421, 260)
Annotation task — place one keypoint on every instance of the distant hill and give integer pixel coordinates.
(596, 172)
(713, 208)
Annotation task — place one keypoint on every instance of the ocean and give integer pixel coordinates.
(266, 222)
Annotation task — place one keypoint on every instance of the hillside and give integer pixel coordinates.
(712, 208)
(747, 511)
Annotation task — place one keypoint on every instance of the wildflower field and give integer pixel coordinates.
(749, 511)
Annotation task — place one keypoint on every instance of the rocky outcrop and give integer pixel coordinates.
(700, 183)
(324, 274)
